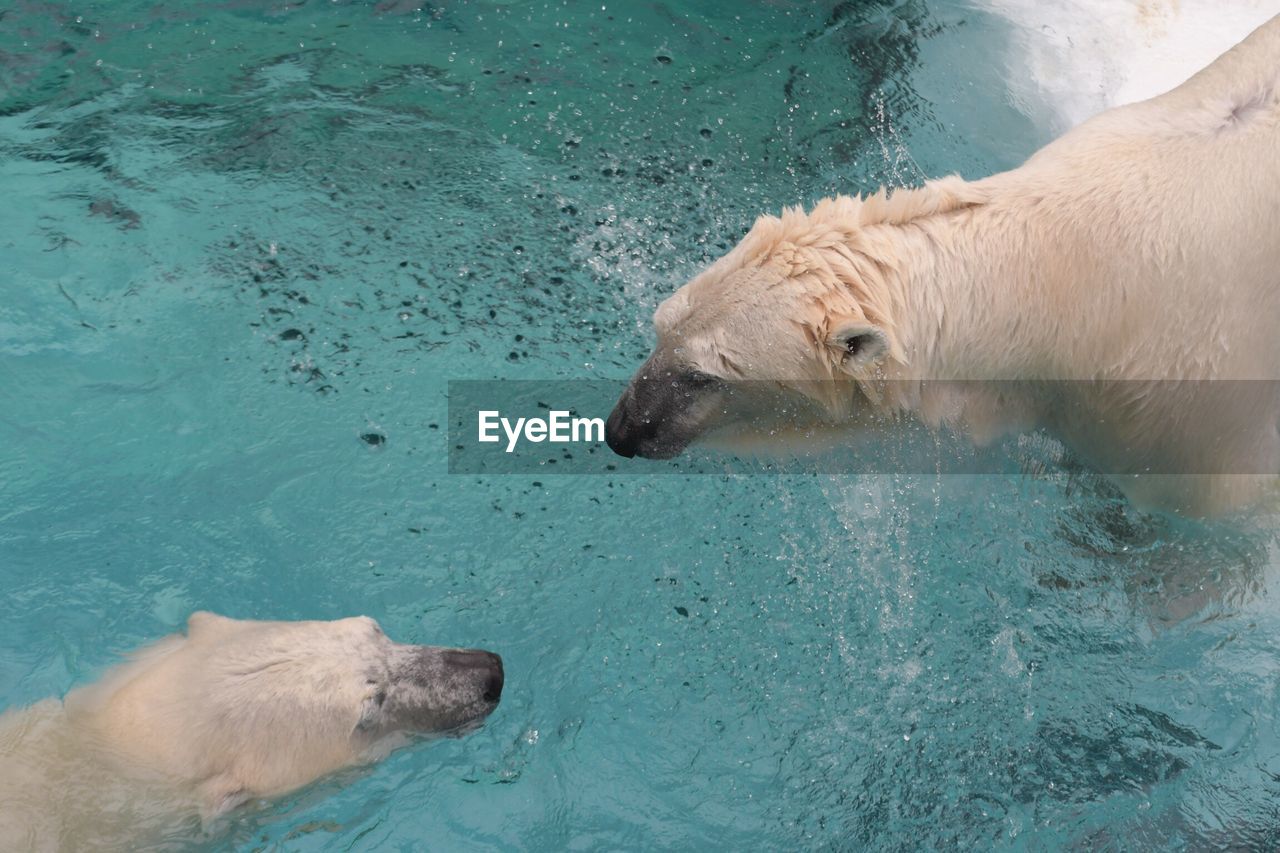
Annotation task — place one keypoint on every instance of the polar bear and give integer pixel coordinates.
(196, 725)
(1121, 290)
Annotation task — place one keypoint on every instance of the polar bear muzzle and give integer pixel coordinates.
(434, 690)
(662, 411)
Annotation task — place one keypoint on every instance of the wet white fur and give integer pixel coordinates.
(1142, 245)
(187, 729)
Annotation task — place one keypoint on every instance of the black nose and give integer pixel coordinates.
(478, 659)
(494, 679)
(618, 434)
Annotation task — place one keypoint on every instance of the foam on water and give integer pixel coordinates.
(1072, 59)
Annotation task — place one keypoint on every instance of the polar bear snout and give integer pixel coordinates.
(487, 667)
(629, 429)
(662, 411)
(437, 690)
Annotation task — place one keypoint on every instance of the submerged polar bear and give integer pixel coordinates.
(1140, 252)
(197, 725)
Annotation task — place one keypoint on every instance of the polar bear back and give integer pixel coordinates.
(1192, 180)
(59, 795)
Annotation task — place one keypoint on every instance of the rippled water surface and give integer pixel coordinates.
(239, 236)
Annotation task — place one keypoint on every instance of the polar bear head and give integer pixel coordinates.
(242, 709)
(798, 320)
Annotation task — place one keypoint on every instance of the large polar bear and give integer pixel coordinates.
(197, 725)
(1139, 252)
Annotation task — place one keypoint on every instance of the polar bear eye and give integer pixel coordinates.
(379, 695)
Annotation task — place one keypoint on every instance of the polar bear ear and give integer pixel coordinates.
(204, 622)
(861, 344)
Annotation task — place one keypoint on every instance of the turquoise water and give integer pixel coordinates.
(239, 236)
